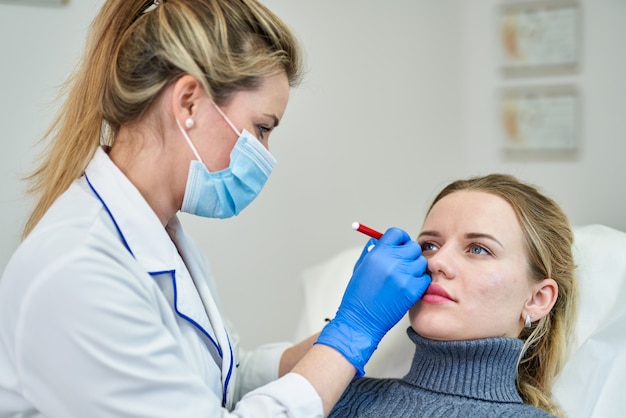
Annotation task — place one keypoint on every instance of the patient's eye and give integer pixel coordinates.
(479, 249)
(429, 246)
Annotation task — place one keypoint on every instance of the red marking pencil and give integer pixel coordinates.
(366, 230)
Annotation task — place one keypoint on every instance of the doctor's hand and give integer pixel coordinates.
(386, 282)
(371, 243)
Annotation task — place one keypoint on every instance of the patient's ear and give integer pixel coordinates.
(542, 299)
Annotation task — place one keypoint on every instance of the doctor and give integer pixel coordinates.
(107, 309)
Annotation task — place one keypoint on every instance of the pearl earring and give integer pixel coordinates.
(527, 322)
(189, 123)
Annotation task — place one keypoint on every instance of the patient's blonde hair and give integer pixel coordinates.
(133, 52)
(548, 241)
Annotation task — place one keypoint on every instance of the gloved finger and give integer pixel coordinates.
(416, 287)
(395, 236)
(366, 249)
(410, 250)
(417, 267)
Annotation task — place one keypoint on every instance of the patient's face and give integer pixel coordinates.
(480, 279)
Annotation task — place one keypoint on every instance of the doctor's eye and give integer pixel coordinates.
(263, 130)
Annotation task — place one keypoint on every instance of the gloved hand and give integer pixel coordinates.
(368, 247)
(386, 282)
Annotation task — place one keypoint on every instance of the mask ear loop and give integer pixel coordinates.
(182, 131)
(226, 119)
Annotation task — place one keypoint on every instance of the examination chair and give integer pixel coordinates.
(593, 381)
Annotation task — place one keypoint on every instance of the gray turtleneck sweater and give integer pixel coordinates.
(474, 378)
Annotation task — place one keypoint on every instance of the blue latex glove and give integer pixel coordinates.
(386, 282)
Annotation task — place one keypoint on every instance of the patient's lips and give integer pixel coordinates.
(436, 294)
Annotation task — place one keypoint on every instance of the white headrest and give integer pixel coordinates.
(593, 382)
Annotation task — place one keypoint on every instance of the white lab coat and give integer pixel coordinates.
(104, 313)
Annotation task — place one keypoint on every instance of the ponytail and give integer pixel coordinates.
(75, 133)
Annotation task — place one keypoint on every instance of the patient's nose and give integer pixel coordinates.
(441, 263)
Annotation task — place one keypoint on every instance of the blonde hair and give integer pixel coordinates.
(548, 241)
(133, 52)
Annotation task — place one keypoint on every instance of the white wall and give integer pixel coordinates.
(591, 185)
(38, 50)
(398, 100)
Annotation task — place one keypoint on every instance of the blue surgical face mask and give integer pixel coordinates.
(227, 192)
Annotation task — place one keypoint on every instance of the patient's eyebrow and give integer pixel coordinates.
(474, 235)
(429, 233)
(469, 235)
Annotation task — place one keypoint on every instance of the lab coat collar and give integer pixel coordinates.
(145, 236)
(161, 250)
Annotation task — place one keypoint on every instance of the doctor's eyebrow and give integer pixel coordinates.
(274, 118)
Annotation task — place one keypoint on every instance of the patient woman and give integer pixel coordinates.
(491, 330)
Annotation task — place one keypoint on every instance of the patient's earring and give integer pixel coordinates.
(189, 123)
(527, 322)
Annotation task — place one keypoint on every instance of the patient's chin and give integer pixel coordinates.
(432, 329)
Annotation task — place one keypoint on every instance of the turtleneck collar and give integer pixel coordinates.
(480, 369)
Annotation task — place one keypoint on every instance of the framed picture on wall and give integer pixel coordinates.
(538, 37)
(544, 118)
